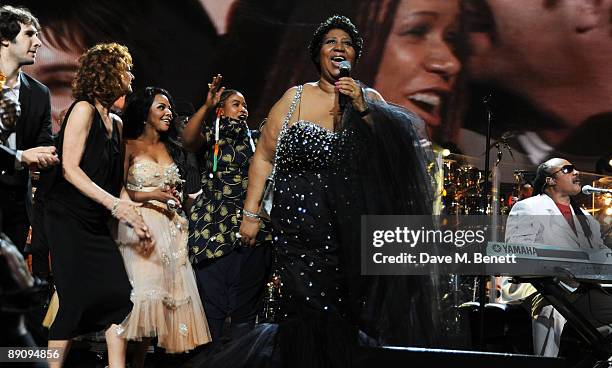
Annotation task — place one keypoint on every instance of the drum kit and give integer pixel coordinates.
(463, 194)
(463, 189)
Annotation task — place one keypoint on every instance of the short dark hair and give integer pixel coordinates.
(11, 19)
(334, 22)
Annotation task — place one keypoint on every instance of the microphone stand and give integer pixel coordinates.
(482, 292)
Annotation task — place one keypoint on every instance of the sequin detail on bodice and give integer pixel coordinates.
(307, 146)
(146, 176)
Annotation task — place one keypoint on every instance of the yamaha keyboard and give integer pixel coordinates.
(547, 260)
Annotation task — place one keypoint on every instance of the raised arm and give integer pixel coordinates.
(261, 165)
(193, 139)
(75, 137)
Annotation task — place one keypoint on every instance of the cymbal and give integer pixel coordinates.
(606, 180)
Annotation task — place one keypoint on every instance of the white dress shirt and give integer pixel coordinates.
(12, 93)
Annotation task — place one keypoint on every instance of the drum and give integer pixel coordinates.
(463, 186)
(472, 205)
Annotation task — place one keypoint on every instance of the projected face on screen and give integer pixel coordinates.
(545, 63)
(550, 52)
(419, 66)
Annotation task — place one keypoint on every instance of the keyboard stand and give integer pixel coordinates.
(551, 290)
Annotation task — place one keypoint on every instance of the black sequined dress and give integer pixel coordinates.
(306, 247)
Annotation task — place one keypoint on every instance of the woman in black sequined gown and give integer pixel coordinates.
(307, 249)
(305, 139)
(304, 131)
(334, 161)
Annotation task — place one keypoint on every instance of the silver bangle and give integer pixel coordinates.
(114, 208)
(250, 214)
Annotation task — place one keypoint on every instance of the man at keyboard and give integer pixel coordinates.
(552, 216)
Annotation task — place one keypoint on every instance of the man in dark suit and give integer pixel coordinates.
(25, 120)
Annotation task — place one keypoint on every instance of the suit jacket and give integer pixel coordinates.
(7, 159)
(33, 130)
(537, 220)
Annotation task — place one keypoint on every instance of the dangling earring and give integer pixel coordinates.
(145, 123)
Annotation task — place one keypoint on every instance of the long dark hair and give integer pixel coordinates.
(539, 187)
(136, 113)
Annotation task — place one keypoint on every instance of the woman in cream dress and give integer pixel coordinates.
(165, 295)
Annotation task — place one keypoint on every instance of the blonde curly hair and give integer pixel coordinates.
(101, 73)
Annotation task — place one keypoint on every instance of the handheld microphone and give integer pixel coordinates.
(345, 68)
(587, 189)
(345, 71)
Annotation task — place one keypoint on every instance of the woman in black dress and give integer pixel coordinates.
(333, 163)
(91, 281)
(302, 138)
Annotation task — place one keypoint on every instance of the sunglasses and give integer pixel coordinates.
(566, 169)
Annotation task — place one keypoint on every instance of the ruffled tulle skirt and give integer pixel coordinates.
(165, 296)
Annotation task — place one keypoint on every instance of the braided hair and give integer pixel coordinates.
(539, 187)
(224, 96)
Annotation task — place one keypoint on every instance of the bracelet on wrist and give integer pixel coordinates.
(250, 214)
(115, 207)
(364, 113)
